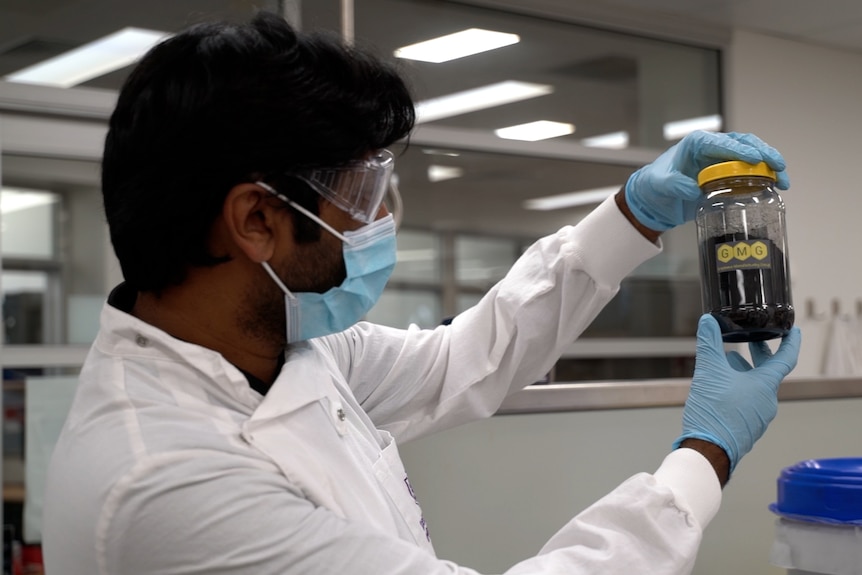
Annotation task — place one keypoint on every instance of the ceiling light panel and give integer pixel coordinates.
(436, 152)
(481, 98)
(91, 60)
(678, 129)
(534, 131)
(438, 173)
(571, 199)
(457, 45)
(613, 141)
(16, 199)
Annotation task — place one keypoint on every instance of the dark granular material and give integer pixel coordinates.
(749, 304)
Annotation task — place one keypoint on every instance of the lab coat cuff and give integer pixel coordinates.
(693, 482)
(621, 248)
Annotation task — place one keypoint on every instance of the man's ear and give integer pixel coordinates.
(254, 221)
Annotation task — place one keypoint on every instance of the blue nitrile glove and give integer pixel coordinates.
(730, 404)
(664, 194)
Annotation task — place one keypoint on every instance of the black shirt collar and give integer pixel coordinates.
(123, 297)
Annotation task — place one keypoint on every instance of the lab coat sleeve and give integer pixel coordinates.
(415, 381)
(198, 512)
(650, 523)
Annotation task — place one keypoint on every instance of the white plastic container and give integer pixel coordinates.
(819, 528)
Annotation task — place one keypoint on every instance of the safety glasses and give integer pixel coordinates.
(358, 188)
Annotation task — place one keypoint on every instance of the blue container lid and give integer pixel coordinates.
(821, 491)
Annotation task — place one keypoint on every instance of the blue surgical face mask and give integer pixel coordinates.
(369, 257)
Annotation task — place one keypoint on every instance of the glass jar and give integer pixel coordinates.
(742, 238)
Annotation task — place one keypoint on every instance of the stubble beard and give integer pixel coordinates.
(313, 268)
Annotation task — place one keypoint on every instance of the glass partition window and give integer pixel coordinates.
(482, 262)
(598, 87)
(406, 307)
(414, 292)
(28, 220)
(25, 301)
(418, 257)
(31, 270)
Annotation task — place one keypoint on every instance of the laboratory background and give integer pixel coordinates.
(511, 143)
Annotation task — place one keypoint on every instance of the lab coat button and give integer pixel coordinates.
(339, 418)
(142, 341)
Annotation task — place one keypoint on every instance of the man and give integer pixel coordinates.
(233, 417)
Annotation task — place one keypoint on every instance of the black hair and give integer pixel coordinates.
(223, 103)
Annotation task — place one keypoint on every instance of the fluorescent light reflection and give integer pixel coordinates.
(91, 60)
(416, 255)
(437, 173)
(435, 152)
(481, 98)
(614, 140)
(534, 131)
(678, 129)
(16, 199)
(457, 45)
(571, 199)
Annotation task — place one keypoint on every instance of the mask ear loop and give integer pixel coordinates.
(291, 303)
(277, 280)
(304, 211)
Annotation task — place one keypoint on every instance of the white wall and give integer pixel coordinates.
(494, 491)
(805, 101)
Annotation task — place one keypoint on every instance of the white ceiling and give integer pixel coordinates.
(61, 24)
(834, 23)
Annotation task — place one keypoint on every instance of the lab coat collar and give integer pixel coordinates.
(304, 377)
(302, 380)
(123, 335)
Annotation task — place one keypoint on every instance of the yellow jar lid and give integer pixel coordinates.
(733, 169)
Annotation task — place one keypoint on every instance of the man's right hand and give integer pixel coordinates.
(731, 403)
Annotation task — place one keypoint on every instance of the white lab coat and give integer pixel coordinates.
(170, 463)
